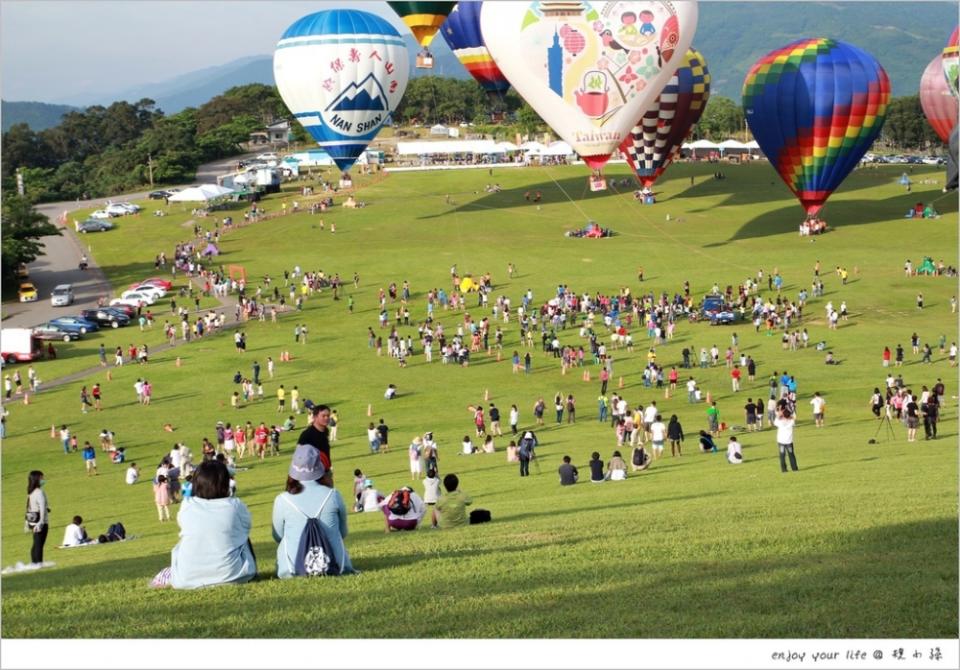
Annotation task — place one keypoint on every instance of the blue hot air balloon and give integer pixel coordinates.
(341, 73)
(815, 107)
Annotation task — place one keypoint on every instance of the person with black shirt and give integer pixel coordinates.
(568, 473)
(751, 414)
(931, 412)
(495, 420)
(383, 431)
(912, 410)
(317, 434)
(597, 475)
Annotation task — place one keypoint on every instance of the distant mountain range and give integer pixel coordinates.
(37, 115)
(730, 35)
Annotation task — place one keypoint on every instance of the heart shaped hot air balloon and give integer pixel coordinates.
(815, 107)
(341, 72)
(655, 141)
(951, 62)
(590, 70)
(939, 106)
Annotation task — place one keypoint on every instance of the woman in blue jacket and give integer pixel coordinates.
(214, 546)
(309, 494)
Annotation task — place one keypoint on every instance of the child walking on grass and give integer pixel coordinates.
(161, 496)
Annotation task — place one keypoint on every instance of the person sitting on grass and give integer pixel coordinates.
(597, 475)
(309, 494)
(568, 472)
(403, 510)
(214, 546)
(75, 534)
(451, 509)
(616, 468)
(641, 459)
(734, 451)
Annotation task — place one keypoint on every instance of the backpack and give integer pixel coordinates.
(399, 503)
(116, 532)
(314, 557)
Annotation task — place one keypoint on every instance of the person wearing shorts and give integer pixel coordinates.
(408, 521)
(658, 433)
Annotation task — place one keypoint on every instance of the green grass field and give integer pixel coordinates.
(861, 543)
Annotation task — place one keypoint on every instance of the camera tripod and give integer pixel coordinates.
(885, 421)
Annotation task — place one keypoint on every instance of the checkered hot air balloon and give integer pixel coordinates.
(815, 107)
(655, 141)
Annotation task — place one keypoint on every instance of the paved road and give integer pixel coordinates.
(60, 263)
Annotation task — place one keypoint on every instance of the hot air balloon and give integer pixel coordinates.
(461, 31)
(341, 73)
(938, 104)
(424, 20)
(815, 107)
(590, 70)
(951, 62)
(655, 141)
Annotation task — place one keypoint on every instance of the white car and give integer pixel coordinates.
(102, 214)
(142, 296)
(131, 208)
(130, 302)
(150, 289)
(116, 209)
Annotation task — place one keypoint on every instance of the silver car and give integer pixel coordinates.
(62, 295)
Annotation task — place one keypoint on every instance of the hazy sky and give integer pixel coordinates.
(64, 51)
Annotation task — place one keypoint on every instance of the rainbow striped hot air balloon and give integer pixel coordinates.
(655, 141)
(815, 107)
(461, 31)
(341, 72)
(939, 105)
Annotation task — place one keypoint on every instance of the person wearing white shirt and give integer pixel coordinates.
(410, 519)
(658, 433)
(692, 390)
(818, 403)
(784, 423)
(649, 416)
(75, 534)
(734, 451)
(370, 497)
(133, 474)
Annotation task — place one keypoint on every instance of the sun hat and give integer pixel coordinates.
(418, 440)
(306, 465)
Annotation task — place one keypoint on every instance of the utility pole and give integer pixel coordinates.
(150, 168)
(20, 187)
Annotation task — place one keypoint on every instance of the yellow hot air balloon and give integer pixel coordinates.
(423, 18)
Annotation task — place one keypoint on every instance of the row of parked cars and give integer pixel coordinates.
(903, 160)
(120, 312)
(115, 209)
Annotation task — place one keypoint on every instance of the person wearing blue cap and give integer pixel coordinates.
(309, 494)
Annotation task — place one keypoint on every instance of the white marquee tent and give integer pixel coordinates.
(202, 193)
(449, 147)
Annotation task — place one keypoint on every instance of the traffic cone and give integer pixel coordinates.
(486, 394)
(620, 385)
(586, 375)
(709, 397)
(369, 410)
(499, 357)
(109, 376)
(26, 398)
(53, 432)
(178, 362)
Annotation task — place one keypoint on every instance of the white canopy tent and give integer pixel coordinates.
(558, 148)
(734, 145)
(532, 147)
(703, 145)
(202, 193)
(508, 146)
(449, 147)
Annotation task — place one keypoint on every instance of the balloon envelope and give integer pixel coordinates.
(423, 18)
(590, 70)
(939, 106)
(461, 31)
(815, 107)
(654, 142)
(341, 73)
(951, 62)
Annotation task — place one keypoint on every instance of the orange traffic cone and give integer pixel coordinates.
(369, 410)
(26, 398)
(109, 376)
(53, 431)
(586, 375)
(620, 385)
(178, 362)
(486, 394)
(709, 397)
(499, 356)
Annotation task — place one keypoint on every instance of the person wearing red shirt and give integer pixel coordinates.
(735, 378)
(260, 437)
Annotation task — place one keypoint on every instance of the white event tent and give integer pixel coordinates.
(202, 193)
(449, 147)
